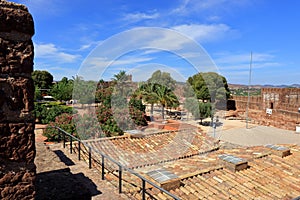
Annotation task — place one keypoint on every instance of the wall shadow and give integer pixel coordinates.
(62, 185)
(63, 158)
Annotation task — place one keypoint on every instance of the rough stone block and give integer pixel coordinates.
(16, 58)
(15, 18)
(17, 142)
(16, 180)
(16, 99)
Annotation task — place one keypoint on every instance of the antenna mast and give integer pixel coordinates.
(249, 83)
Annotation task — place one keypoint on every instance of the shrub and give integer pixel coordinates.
(87, 126)
(107, 122)
(65, 122)
(47, 112)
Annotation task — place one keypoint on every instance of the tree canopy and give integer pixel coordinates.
(42, 79)
(162, 78)
(209, 86)
(84, 91)
(114, 107)
(156, 93)
(63, 89)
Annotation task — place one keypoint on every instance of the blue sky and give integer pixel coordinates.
(66, 32)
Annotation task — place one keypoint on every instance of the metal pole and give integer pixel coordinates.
(298, 115)
(79, 149)
(71, 142)
(214, 127)
(144, 189)
(90, 158)
(120, 179)
(248, 102)
(102, 166)
(64, 139)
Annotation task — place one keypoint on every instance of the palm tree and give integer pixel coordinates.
(122, 83)
(147, 92)
(155, 93)
(121, 76)
(166, 97)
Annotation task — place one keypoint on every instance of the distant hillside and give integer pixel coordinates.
(236, 86)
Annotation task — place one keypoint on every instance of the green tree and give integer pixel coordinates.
(210, 86)
(162, 78)
(205, 110)
(47, 112)
(87, 126)
(37, 93)
(104, 92)
(191, 105)
(148, 93)
(113, 105)
(121, 76)
(42, 79)
(137, 111)
(107, 122)
(155, 93)
(62, 90)
(122, 83)
(84, 91)
(166, 98)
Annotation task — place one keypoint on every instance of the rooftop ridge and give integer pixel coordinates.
(200, 172)
(146, 135)
(105, 138)
(178, 158)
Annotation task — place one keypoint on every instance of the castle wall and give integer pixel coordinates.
(284, 103)
(17, 142)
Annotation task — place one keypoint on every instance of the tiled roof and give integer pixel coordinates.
(155, 148)
(206, 162)
(195, 159)
(270, 177)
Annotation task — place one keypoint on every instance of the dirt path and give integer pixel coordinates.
(61, 176)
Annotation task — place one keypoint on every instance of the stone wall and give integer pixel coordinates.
(284, 103)
(17, 146)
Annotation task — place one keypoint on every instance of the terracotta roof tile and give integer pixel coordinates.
(194, 158)
(267, 178)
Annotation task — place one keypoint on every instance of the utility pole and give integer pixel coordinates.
(249, 83)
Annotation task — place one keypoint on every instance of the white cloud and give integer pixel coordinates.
(213, 18)
(242, 60)
(150, 40)
(50, 51)
(136, 17)
(143, 72)
(104, 62)
(187, 7)
(95, 68)
(89, 45)
(204, 32)
(236, 66)
(181, 9)
(168, 40)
